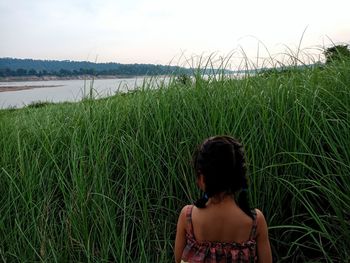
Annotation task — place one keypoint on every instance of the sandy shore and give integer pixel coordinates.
(80, 77)
(17, 88)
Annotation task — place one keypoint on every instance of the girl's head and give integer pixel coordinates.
(220, 161)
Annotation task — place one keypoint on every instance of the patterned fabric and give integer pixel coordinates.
(214, 252)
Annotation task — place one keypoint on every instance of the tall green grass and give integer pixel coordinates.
(104, 180)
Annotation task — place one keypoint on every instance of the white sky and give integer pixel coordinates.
(161, 31)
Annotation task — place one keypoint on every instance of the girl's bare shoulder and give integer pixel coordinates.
(259, 215)
(261, 221)
(184, 211)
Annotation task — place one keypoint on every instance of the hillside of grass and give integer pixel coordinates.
(104, 180)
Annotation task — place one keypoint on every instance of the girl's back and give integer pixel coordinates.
(211, 237)
(221, 222)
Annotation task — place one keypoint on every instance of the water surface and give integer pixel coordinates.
(62, 90)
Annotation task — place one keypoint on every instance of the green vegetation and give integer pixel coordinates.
(104, 181)
(337, 53)
(12, 67)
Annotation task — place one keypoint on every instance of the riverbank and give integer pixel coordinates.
(18, 88)
(81, 77)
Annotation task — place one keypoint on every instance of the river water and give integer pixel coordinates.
(64, 90)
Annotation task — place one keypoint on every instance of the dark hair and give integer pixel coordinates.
(221, 161)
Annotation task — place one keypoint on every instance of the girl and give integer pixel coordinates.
(220, 227)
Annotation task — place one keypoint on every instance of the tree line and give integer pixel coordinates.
(337, 53)
(12, 67)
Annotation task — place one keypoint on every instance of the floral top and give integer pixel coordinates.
(213, 252)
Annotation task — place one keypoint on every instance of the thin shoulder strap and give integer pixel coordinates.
(254, 226)
(189, 226)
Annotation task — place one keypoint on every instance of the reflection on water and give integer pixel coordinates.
(64, 90)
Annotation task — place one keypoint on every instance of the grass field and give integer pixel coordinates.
(104, 180)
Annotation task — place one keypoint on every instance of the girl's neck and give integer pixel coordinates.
(221, 198)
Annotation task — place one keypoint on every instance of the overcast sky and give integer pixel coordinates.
(161, 31)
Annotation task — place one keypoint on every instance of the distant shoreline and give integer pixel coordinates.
(18, 88)
(48, 78)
